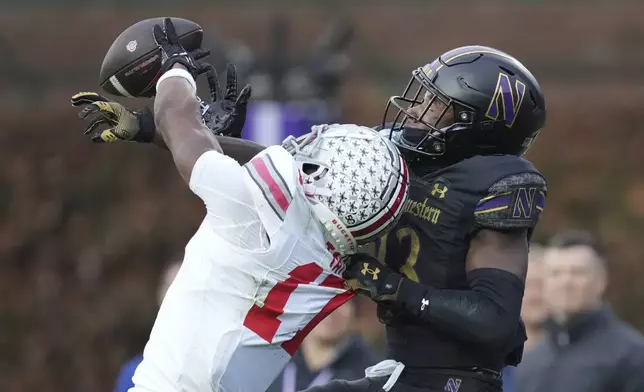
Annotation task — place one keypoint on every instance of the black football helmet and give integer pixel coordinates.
(472, 100)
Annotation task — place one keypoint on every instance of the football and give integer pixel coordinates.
(132, 64)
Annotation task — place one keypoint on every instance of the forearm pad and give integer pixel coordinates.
(488, 313)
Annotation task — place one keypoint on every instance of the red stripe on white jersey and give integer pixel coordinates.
(275, 185)
(292, 345)
(264, 320)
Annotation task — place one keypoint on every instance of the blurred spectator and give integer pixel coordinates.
(534, 310)
(330, 351)
(124, 379)
(585, 348)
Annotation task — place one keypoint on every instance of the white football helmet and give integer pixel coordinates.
(356, 180)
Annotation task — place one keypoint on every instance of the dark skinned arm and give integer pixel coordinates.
(486, 312)
(178, 121)
(239, 149)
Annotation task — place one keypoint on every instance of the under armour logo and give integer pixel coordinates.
(373, 272)
(453, 384)
(424, 302)
(438, 191)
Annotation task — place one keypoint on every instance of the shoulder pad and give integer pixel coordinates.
(274, 180)
(477, 174)
(514, 202)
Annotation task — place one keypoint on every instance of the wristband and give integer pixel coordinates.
(180, 73)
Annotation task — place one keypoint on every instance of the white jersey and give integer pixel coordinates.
(256, 278)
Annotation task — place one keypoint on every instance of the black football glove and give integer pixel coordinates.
(172, 52)
(125, 124)
(225, 115)
(366, 275)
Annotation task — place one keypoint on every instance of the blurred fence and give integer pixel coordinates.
(84, 229)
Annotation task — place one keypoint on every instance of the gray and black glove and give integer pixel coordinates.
(123, 123)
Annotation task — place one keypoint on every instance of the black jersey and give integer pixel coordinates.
(430, 243)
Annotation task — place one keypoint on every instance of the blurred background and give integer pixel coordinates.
(83, 247)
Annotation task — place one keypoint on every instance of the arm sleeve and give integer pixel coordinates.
(219, 181)
(487, 313)
(489, 310)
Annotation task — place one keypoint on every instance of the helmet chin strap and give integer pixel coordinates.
(335, 231)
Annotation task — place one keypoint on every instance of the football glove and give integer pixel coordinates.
(172, 52)
(367, 276)
(225, 115)
(124, 124)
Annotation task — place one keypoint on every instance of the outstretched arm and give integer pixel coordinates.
(240, 150)
(225, 115)
(178, 120)
(178, 111)
(216, 178)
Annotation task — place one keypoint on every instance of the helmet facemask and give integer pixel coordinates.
(425, 131)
